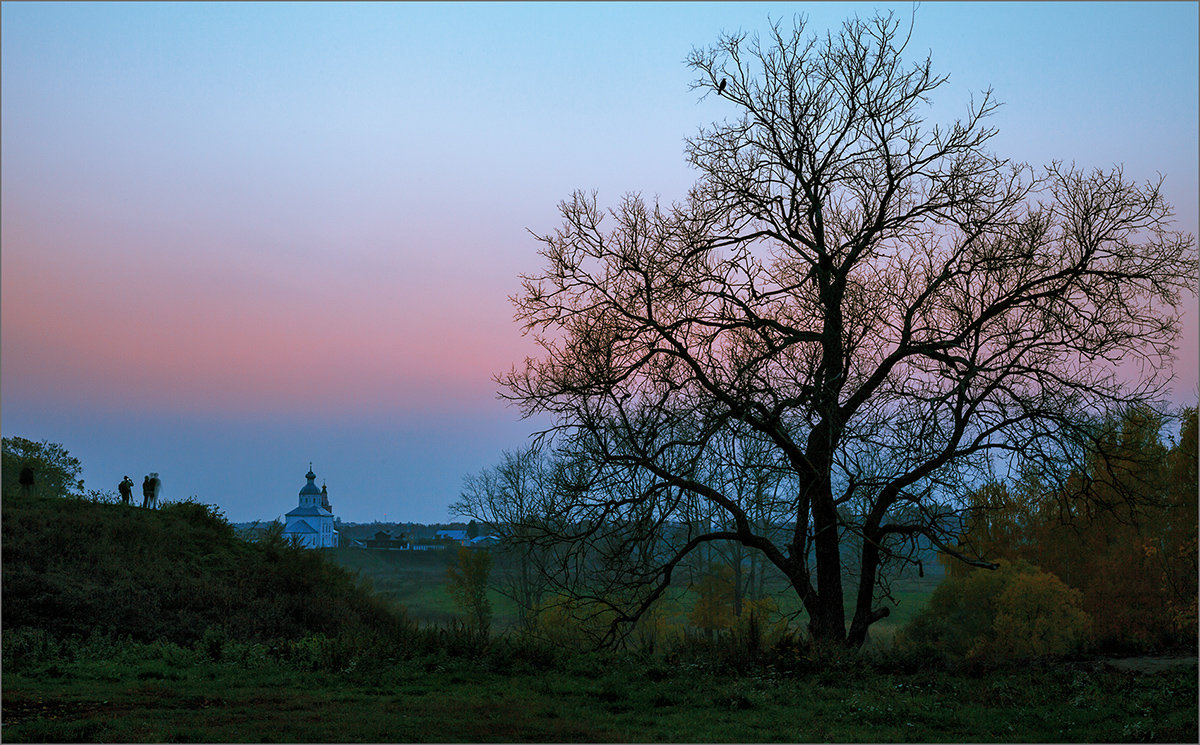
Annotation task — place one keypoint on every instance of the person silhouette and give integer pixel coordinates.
(147, 491)
(155, 490)
(126, 489)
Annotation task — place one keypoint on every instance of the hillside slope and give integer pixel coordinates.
(73, 566)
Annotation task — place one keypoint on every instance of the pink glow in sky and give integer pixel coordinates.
(240, 237)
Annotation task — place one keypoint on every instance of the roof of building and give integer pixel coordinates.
(457, 535)
(312, 511)
(299, 527)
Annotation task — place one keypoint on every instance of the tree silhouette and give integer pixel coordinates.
(39, 468)
(884, 311)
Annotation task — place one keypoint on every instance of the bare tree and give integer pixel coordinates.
(885, 308)
(512, 497)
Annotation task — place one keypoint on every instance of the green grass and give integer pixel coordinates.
(417, 581)
(591, 699)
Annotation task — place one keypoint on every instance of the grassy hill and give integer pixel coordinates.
(74, 567)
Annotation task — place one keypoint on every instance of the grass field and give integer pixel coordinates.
(180, 697)
(417, 580)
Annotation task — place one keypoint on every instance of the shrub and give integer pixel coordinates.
(213, 643)
(28, 647)
(582, 625)
(1016, 611)
(566, 622)
(713, 610)
(1038, 615)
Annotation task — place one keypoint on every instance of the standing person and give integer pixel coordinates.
(147, 491)
(126, 489)
(155, 490)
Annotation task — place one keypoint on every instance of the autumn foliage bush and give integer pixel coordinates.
(572, 623)
(1038, 615)
(1017, 611)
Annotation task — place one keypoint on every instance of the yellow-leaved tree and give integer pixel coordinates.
(468, 585)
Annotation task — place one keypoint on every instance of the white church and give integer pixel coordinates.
(311, 524)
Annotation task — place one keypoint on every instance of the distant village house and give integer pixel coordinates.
(383, 540)
(461, 538)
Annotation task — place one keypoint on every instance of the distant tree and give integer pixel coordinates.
(468, 585)
(1178, 552)
(886, 309)
(999, 525)
(472, 530)
(52, 470)
(512, 497)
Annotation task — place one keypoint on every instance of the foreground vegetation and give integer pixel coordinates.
(131, 625)
(246, 693)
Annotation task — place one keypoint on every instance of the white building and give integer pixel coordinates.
(311, 523)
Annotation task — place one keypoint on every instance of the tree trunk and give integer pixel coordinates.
(827, 622)
(738, 588)
(864, 616)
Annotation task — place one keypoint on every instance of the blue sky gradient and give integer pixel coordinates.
(237, 238)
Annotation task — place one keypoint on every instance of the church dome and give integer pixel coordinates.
(310, 489)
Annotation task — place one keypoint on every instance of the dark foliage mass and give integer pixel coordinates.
(1132, 560)
(38, 468)
(130, 625)
(74, 567)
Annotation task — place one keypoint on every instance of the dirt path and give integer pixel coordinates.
(1149, 665)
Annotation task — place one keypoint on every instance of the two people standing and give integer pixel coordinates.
(151, 488)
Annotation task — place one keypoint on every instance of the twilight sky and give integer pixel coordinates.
(237, 238)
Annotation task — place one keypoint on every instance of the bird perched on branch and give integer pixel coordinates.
(721, 86)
